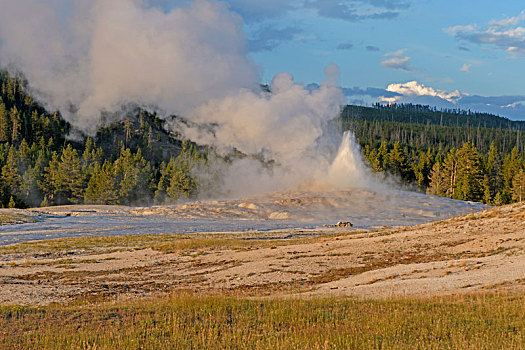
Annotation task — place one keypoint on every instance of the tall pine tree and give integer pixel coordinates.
(469, 185)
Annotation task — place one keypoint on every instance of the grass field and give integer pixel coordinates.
(193, 322)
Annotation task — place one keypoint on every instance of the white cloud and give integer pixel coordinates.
(508, 22)
(413, 88)
(512, 106)
(456, 29)
(466, 67)
(396, 53)
(397, 60)
(505, 34)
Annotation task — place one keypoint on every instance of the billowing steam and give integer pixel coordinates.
(83, 57)
(99, 54)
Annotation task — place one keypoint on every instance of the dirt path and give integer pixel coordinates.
(476, 252)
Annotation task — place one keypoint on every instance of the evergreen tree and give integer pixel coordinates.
(36, 128)
(373, 158)
(518, 186)
(383, 155)
(397, 162)
(487, 193)
(101, 187)
(64, 180)
(51, 183)
(181, 185)
(74, 180)
(12, 203)
(10, 175)
(133, 176)
(31, 193)
(5, 124)
(493, 166)
(423, 169)
(176, 180)
(24, 156)
(127, 129)
(469, 174)
(88, 156)
(450, 165)
(497, 199)
(438, 181)
(511, 165)
(15, 124)
(164, 181)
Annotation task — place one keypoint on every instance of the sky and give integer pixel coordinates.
(451, 54)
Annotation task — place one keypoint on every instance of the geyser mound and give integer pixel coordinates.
(364, 207)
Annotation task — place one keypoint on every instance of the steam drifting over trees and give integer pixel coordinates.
(136, 161)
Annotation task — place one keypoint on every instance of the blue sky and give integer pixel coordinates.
(445, 53)
(466, 54)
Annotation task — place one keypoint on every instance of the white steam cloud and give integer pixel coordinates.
(281, 124)
(100, 54)
(83, 57)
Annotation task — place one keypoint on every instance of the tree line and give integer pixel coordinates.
(427, 115)
(460, 162)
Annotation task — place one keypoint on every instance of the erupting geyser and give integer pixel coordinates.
(347, 169)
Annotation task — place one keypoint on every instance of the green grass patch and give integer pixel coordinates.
(191, 322)
(168, 243)
(64, 245)
(10, 217)
(191, 244)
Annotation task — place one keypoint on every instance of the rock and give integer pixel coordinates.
(279, 215)
(341, 224)
(344, 224)
(248, 206)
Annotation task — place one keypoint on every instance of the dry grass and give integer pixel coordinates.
(186, 321)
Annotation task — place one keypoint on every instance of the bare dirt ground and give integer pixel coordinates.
(477, 252)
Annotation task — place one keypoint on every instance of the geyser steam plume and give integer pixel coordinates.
(84, 57)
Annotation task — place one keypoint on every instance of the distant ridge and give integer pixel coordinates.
(427, 115)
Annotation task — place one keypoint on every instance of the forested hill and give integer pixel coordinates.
(418, 114)
(456, 154)
(131, 161)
